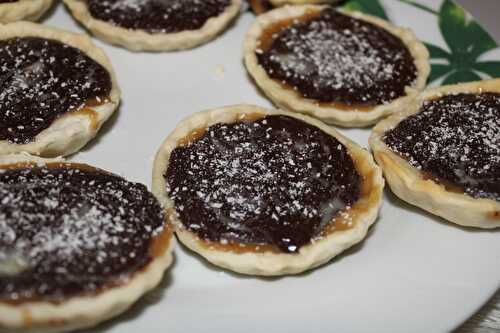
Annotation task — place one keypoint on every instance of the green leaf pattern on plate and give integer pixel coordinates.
(372, 7)
(465, 38)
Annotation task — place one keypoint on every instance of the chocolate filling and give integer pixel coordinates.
(456, 139)
(275, 181)
(157, 16)
(334, 58)
(42, 79)
(66, 231)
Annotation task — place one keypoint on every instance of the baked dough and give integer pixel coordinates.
(271, 263)
(408, 183)
(26, 10)
(71, 131)
(80, 312)
(137, 40)
(293, 101)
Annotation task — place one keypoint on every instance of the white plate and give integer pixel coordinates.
(414, 273)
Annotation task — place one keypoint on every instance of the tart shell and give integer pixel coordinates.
(139, 40)
(26, 10)
(82, 311)
(72, 130)
(247, 260)
(407, 181)
(293, 101)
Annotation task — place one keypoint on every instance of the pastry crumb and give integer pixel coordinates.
(219, 72)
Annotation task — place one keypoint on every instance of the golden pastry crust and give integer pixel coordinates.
(291, 100)
(138, 40)
(408, 183)
(82, 311)
(23, 10)
(267, 263)
(71, 131)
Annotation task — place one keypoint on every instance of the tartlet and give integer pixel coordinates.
(152, 25)
(345, 68)
(288, 198)
(58, 88)
(442, 153)
(78, 245)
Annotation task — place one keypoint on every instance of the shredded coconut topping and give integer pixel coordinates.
(275, 181)
(336, 58)
(157, 16)
(457, 139)
(41, 79)
(68, 231)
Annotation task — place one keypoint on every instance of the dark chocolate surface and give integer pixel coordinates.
(71, 231)
(456, 139)
(157, 16)
(334, 58)
(42, 79)
(276, 181)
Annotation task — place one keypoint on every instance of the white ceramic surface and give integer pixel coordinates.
(414, 273)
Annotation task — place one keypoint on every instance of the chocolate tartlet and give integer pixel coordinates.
(345, 68)
(153, 24)
(57, 90)
(23, 10)
(443, 153)
(274, 193)
(78, 245)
